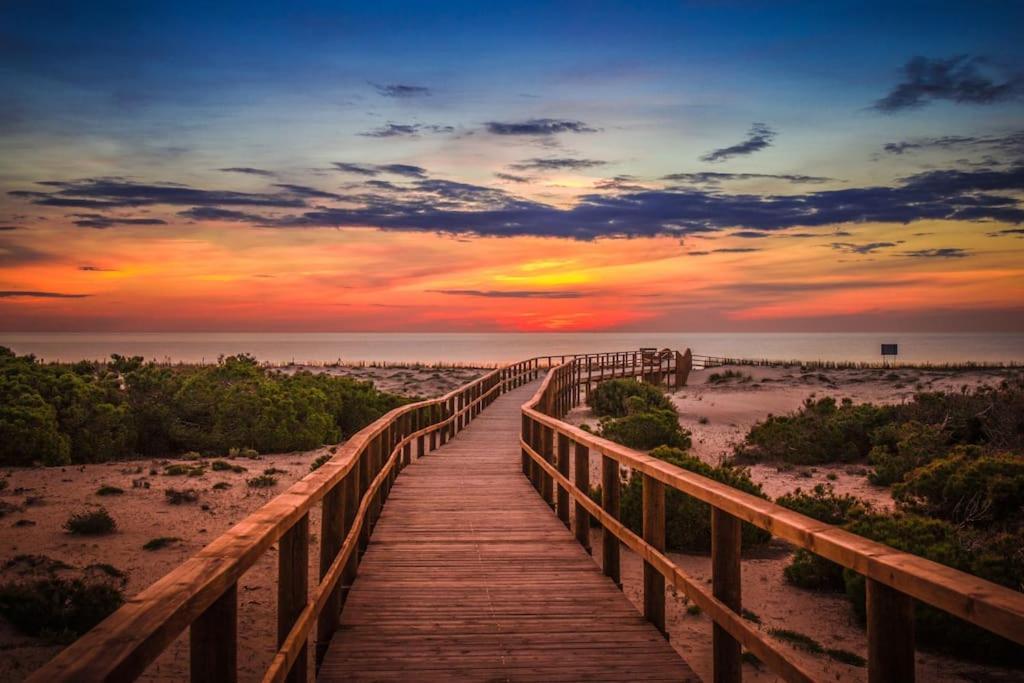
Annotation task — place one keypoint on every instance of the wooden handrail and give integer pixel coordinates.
(893, 576)
(201, 592)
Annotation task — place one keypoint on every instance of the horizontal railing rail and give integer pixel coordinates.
(201, 594)
(894, 578)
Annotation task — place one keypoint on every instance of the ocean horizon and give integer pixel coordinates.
(489, 348)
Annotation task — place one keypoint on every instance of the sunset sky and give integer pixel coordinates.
(468, 166)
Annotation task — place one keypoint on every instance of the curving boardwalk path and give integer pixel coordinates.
(470, 576)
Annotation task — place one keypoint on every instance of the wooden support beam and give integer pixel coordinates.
(890, 634)
(610, 496)
(332, 533)
(563, 469)
(726, 536)
(213, 641)
(654, 534)
(293, 588)
(582, 481)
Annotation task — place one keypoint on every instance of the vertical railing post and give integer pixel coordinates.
(363, 464)
(525, 434)
(548, 452)
(726, 537)
(582, 481)
(654, 534)
(563, 469)
(610, 503)
(351, 507)
(432, 419)
(890, 634)
(213, 641)
(407, 429)
(292, 589)
(332, 533)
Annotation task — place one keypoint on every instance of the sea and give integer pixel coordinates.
(493, 348)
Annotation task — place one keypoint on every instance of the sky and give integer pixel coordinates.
(466, 166)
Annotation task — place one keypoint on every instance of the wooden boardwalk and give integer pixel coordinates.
(469, 576)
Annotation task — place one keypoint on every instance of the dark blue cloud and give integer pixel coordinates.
(100, 222)
(942, 252)
(113, 192)
(868, 248)
(512, 178)
(1011, 143)
(377, 169)
(759, 137)
(556, 164)
(394, 130)
(713, 178)
(403, 90)
(537, 127)
(247, 170)
(962, 79)
(212, 213)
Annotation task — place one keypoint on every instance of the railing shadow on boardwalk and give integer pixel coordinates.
(201, 594)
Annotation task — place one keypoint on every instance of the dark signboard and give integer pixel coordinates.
(890, 349)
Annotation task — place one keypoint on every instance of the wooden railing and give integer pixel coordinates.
(201, 594)
(894, 579)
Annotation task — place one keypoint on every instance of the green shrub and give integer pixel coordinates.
(967, 488)
(177, 470)
(48, 599)
(806, 569)
(900, 448)
(621, 397)
(160, 542)
(319, 461)
(728, 376)
(109, 491)
(274, 470)
(261, 482)
(647, 430)
(820, 432)
(221, 486)
(998, 559)
(58, 414)
(91, 523)
(688, 520)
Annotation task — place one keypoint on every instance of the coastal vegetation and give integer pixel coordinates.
(60, 414)
(954, 465)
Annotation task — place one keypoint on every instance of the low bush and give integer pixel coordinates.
(109, 491)
(274, 470)
(647, 430)
(225, 466)
(177, 470)
(729, 376)
(996, 558)
(91, 523)
(688, 520)
(821, 432)
(181, 497)
(621, 397)
(900, 448)
(221, 486)
(262, 482)
(49, 599)
(319, 461)
(160, 542)
(967, 488)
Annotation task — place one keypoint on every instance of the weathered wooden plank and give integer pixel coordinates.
(469, 576)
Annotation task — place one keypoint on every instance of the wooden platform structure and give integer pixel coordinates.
(469, 577)
(457, 569)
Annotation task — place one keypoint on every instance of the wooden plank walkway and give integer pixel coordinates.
(470, 576)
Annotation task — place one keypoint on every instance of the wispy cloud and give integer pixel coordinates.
(1012, 143)
(396, 130)
(962, 79)
(564, 163)
(247, 170)
(713, 178)
(759, 137)
(942, 252)
(537, 127)
(725, 250)
(512, 178)
(406, 170)
(403, 90)
(100, 222)
(868, 248)
(96, 269)
(510, 294)
(13, 294)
